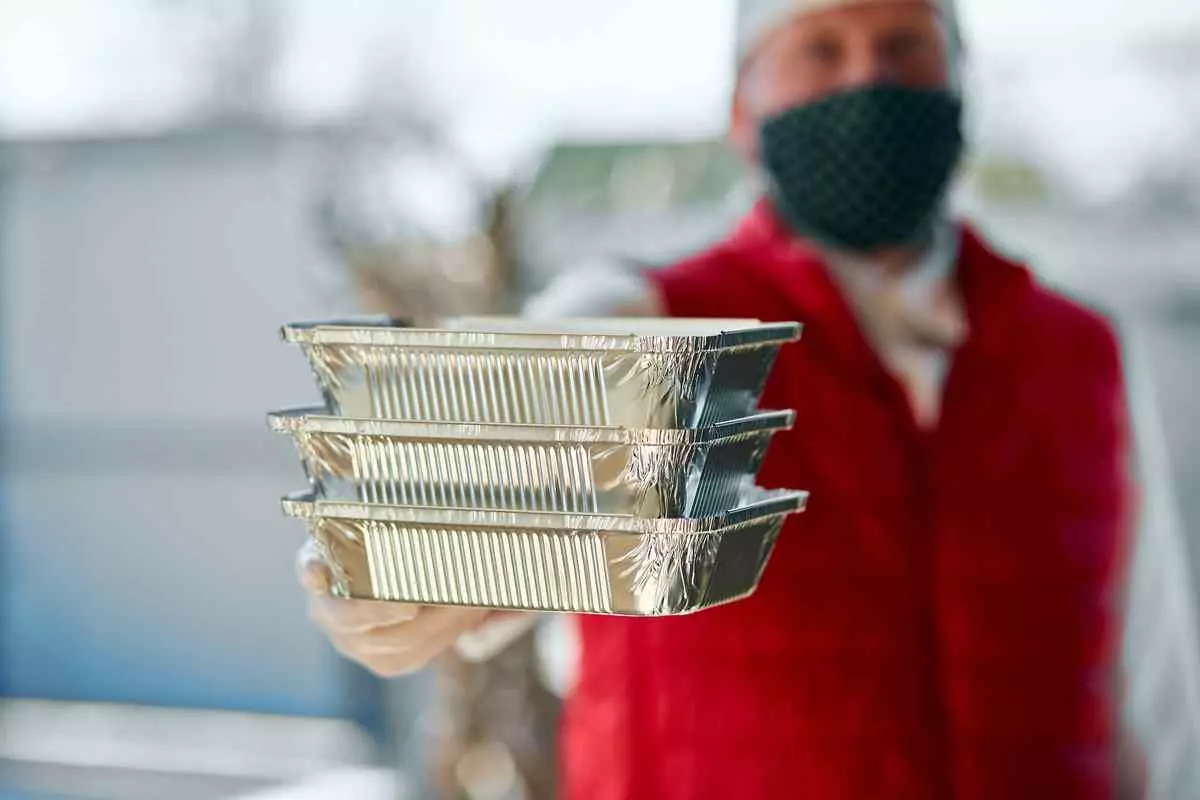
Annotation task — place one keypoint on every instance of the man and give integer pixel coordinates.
(945, 620)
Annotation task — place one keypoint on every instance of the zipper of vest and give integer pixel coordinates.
(922, 447)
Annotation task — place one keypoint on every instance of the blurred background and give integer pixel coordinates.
(180, 177)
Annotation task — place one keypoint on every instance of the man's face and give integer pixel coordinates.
(901, 42)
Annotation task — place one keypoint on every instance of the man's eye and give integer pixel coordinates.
(907, 45)
(821, 51)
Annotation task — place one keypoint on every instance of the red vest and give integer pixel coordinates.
(943, 622)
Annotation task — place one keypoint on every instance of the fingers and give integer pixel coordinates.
(406, 647)
(453, 623)
(312, 571)
(443, 623)
(389, 639)
(337, 616)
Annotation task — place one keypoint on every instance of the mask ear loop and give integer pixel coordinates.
(955, 46)
(956, 52)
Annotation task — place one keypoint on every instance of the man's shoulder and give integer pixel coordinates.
(1054, 317)
(1077, 326)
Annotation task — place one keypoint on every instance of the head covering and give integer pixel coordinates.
(757, 18)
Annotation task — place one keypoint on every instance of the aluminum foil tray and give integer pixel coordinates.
(619, 471)
(681, 374)
(585, 563)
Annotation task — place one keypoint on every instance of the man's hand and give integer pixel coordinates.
(389, 639)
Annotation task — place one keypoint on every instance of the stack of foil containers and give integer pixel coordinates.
(605, 467)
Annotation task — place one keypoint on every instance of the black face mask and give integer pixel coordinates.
(864, 169)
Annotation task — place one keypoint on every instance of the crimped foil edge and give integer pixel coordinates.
(758, 504)
(318, 335)
(313, 420)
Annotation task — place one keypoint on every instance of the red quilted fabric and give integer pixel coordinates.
(944, 620)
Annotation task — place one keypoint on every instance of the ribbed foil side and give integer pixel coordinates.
(732, 385)
(689, 480)
(465, 475)
(495, 569)
(725, 474)
(527, 388)
(562, 567)
(543, 387)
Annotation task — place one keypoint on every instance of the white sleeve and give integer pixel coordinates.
(593, 289)
(494, 636)
(1162, 669)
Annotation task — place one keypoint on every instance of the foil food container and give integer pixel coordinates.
(680, 374)
(618, 471)
(583, 563)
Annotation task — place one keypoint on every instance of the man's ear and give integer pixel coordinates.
(743, 126)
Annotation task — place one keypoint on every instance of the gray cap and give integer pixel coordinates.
(757, 18)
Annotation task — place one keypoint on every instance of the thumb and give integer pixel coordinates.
(314, 574)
